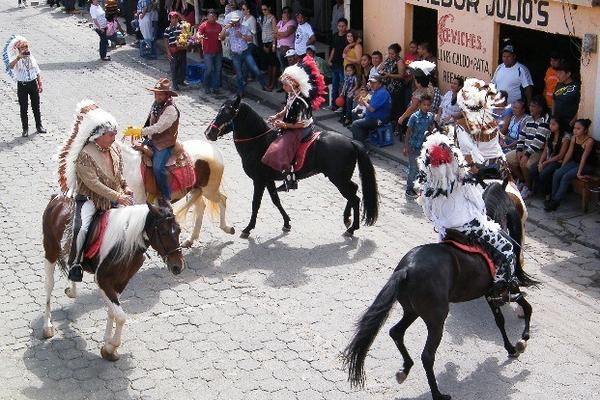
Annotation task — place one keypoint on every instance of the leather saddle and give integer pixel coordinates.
(463, 243)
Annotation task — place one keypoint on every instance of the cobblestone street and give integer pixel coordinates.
(263, 318)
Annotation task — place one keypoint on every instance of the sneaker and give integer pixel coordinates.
(41, 129)
(520, 185)
(525, 193)
(411, 193)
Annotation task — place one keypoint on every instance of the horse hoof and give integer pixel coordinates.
(245, 235)
(286, 228)
(114, 356)
(48, 332)
(70, 293)
(187, 244)
(516, 354)
(521, 346)
(231, 231)
(348, 234)
(401, 377)
(347, 222)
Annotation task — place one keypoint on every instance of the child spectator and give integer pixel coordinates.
(578, 162)
(554, 151)
(514, 127)
(361, 108)
(348, 91)
(321, 63)
(551, 78)
(418, 124)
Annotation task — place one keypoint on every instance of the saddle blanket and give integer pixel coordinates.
(181, 176)
(474, 250)
(303, 149)
(93, 249)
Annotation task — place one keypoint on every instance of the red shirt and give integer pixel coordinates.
(210, 41)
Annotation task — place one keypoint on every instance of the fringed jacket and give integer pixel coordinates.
(101, 182)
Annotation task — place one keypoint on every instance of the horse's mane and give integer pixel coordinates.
(124, 233)
(250, 119)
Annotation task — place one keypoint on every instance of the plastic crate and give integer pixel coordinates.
(383, 135)
(195, 73)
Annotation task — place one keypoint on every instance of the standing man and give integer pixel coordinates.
(160, 132)
(513, 77)
(213, 52)
(176, 54)
(304, 34)
(336, 14)
(551, 78)
(239, 37)
(144, 14)
(24, 69)
(378, 110)
(336, 59)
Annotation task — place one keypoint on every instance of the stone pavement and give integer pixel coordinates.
(264, 318)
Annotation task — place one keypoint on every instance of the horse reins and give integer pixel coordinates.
(213, 125)
(155, 230)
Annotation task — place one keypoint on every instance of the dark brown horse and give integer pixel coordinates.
(130, 231)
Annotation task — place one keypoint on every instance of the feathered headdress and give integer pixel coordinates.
(476, 100)
(441, 165)
(90, 122)
(424, 66)
(309, 80)
(10, 52)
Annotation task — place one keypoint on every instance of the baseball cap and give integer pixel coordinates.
(376, 78)
(291, 53)
(509, 49)
(235, 17)
(173, 14)
(312, 47)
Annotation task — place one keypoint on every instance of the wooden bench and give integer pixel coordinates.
(590, 187)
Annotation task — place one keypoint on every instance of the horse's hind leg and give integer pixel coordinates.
(527, 310)
(277, 202)
(222, 214)
(348, 189)
(48, 329)
(499, 317)
(435, 328)
(71, 291)
(397, 334)
(199, 207)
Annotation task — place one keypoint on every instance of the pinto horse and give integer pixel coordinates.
(425, 282)
(207, 191)
(332, 154)
(128, 233)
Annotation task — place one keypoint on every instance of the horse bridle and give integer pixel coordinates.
(220, 133)
(154, 230)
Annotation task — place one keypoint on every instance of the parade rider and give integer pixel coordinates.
(452, 199)
(477, 132)
(305, 88)
(160, 132)
(91, 170)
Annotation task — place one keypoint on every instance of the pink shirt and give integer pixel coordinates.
(283, 27)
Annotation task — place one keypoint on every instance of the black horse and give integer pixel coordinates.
(332, 154)
(426, 280)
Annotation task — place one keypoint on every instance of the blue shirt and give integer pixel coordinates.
(419, 123)
(381, 101)
(238, 44)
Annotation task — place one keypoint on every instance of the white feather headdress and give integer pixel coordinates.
(90, 122)
(10, 52)
(423, 65)
(476, 100)
(299, 76)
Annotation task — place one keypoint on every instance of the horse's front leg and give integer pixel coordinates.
(512, 352)
(277, 202)
(259, 190)
(114, 313)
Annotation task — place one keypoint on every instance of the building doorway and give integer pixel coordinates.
(533, 49)
(424, 27)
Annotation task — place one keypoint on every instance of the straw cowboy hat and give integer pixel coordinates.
(163, 86)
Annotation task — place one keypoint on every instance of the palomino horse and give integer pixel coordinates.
(332, 154)
(426, 280)
(129, 231)
(207, 159)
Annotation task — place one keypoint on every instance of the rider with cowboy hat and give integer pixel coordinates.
(91, 170)
(160, 130)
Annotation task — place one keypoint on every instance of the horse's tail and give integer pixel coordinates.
(369, 185)
(181, 210)
(367, 328)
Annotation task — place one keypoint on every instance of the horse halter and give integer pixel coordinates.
(155, 231)
(219, 128)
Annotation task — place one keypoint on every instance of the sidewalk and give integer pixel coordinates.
(569, 222)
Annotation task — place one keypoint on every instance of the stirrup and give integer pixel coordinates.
(76, 273)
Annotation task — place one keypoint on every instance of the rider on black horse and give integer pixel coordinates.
(452, 199)
(305, 87)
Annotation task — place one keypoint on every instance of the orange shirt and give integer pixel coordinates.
(550, 81)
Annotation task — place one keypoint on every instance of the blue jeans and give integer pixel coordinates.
(159, 167)
(542, 181)
(246, 58)
(103, 42)
(348, 106)
(413, 168)
(564, 176)
(361, 128)
(337, 78)
(212, 75)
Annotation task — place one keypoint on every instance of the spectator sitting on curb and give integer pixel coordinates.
(378, 110)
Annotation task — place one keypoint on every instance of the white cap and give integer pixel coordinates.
(291, 53)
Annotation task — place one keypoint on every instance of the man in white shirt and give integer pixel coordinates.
(513, 77)
(304, 35)
(336, 14)
(376, 59)
(24, 69)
